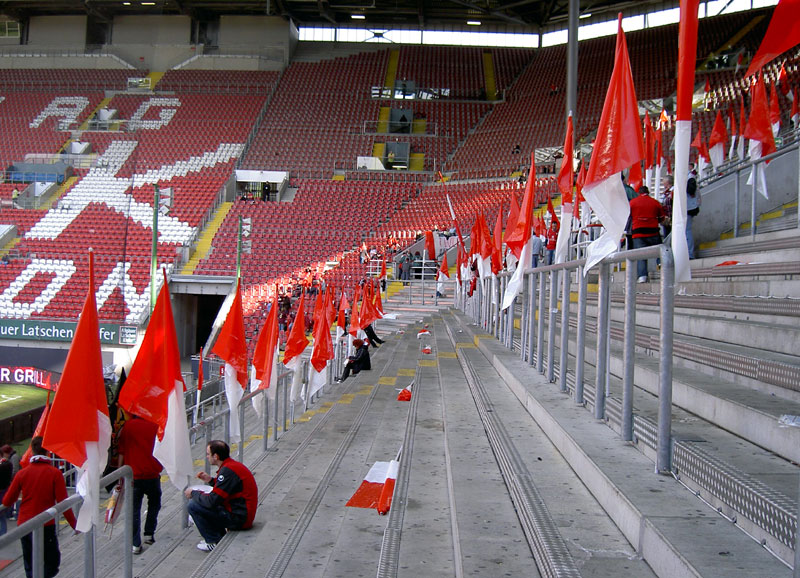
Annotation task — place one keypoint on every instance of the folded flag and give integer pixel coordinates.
(422, 333)
(377, 488)
(426, 349)
(405, 394)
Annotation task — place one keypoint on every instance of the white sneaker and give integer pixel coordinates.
(642, 279)
(136, 549)
(206, 546)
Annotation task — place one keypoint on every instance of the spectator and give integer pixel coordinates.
(357, 362)
(646, 213)
(536, 250)
(6, 472)
(232, 502)
(136, 442)
(42, 486)
(552, 239)
(693, 203)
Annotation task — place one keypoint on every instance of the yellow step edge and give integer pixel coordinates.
(488, 76)
(383, 121)
(204, 243)
(155, 77)
(102, 105)
(391, 69)
(416, 162)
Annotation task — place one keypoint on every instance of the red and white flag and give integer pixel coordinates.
(783, 83)
(430, 246)
(231, 347)
(687, 57)
(341, 319)
(782, 34)
(742, 130)
(265, 357)
(618, 145)
(78, 428)
(774, 112)
(296, 343)
(734, 131)
(154, 391)
(455, 222)
(377, 488)
(717, 141)
(702, 152)
(323, 348)
(442, 275)
(649, 150)
(759, 133)
(795, 113)
(566, 178)
(518, 239)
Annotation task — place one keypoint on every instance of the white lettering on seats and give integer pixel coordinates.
(63, 270)
(165, 114)
(67, 108)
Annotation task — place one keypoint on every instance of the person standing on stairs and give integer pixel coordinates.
(646, 213)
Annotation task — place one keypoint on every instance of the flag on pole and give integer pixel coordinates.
(783, 83)
(782, 34)
(442, 275)
(518, 239)
(322, 350)
(774, 111)
(430, 245)
(742, 130)
(716, 142)
(759, 133)
(566, 178)
(687, 57)
(296, 343)
(579, 182)
(154, 391)
(702, 151)
(355, 321)
(649, 153)
(734, 131)
(455, 222)
(795, 114)
(341, 319)
(618, 145)
(377, 488)
(200, 372)
(231, 347)
(265, 356)
(78, 428)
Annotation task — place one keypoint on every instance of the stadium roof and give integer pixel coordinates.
(493, 15)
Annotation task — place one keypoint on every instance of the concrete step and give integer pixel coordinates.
(673, 532)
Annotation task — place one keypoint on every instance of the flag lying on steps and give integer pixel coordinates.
(377, 488)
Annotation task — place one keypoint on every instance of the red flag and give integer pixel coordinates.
(383, 269)
(154, 391)
(267, 347)
(782, 34)
(758, 125)
(742, 117)
(341, 320)
(377, 488)
(323, 346)
(731, 122)
(513, 212)
(297, 340)
(635, 178)
(617, 146)
(443, 267)
(378, 302)
(566, 176)
(794, 111)
(774, 107)
(430, 245)
(783, 80)
(78, 427)
(156, 369)
(231, 345)
(717, 141)
(518, 237)
(200, 372)
(687, 59)
(699, 144)
(552, 210)
(355, 322)
(330, 307)
(498, 230)
(707, 88)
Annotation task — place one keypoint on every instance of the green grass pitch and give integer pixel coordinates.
(16, 399)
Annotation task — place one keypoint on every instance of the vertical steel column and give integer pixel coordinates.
(532, 277)
(664, 445)
(551, 327)
(499, 322)
(630, 343)
(37, 556)
(286, 402)
(275, 423)
(523, 322)
(602, 344)
(89, 559)
(798, 199)
(240, 409)
(540, 329)
(563, 358)
(265, 419)
(736, 204)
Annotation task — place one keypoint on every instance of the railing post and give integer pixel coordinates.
(551, 326)
(532, 277)
(602, 344)
(540, 328)
(265, 420)
(756, 170)
(664, 454)
(240, 409)
(275, 424)
(523, 323)
(89, 561)
(628, 352)
(736, 190)
(564, 357)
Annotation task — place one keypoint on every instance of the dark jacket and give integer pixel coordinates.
(360, 360)
(234, 489)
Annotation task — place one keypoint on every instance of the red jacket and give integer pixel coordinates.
(552, 239)
(42, 486)
(646, 212)
(136, 441)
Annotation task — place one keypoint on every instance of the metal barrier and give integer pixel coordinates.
(36, 526)
(484, 307)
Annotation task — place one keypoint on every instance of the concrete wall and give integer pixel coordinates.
(152, 42)
(65, 32)
(717, 213)
(269, 36)
(53, 61)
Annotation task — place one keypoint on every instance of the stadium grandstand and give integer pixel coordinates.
(191, 187)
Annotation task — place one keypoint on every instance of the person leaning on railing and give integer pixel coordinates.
(42, 486)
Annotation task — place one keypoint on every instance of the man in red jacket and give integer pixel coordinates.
(232, 502)
(42, 487)
(646, 213)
